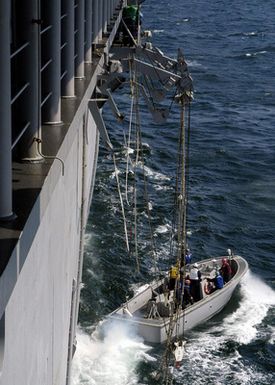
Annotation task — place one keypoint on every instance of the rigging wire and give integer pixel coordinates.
(181, 198)
(121, 203)
(137, 123)
(129, 130)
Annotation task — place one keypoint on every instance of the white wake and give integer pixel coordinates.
(216, 351)
(110, 356)
(113, 353)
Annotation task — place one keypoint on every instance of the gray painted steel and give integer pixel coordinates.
(100, 17)
(5, 113)
(95, 24)
(51, 113)
(88, 31)
(104, 15)
(79, 39)
(30, 29)
(42, 255)
(67, 54)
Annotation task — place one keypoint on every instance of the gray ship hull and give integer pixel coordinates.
(41, 313)
(42, 245)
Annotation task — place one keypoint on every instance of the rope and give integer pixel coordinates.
(137, 123)
(128, 148)
(182, 178)
(121, 203)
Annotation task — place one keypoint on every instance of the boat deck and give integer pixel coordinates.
(146, 311)
(152, 325)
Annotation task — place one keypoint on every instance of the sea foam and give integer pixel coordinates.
(109, 356)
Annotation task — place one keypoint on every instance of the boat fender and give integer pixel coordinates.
(127, 311)
(179, 352)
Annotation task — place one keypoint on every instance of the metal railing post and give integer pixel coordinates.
(5, 113)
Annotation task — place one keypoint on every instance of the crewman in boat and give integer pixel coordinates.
(179, 293)
(195, 278)
(187, 297)
(214, 283)
(188, 257)
(219, 281)
(165, 289)
(173, 275)
(152, 311)
(225, 270)
(209, 287)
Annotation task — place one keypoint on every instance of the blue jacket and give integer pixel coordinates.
(219, 281)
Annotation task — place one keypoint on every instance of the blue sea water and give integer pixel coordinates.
(230, 50)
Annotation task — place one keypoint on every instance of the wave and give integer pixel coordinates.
(194, 63)
(249, 34)
(110, 356)
(217, 353)
(253, 54)
(257, 299)
(155, 175)
(161, 229)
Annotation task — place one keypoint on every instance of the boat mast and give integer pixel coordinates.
(182, 180)
(182, 192)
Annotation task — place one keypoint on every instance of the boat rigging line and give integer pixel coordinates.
(181, 200)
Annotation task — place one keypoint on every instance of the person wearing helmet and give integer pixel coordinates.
(225, 270)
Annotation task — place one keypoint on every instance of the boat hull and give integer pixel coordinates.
(155, 330)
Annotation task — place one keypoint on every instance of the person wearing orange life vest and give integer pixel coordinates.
(195, 279)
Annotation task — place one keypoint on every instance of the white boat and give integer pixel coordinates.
(155, 329)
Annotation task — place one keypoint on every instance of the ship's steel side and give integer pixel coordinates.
(40, 281)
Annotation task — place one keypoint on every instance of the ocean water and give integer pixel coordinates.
(230, 50)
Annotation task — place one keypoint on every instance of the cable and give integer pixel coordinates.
(121, 203)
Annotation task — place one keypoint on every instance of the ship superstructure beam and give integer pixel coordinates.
(156, 56)
(79, 39)
(154, 72)
(100, 26)
(158, 75)
(51, 62)
(67, 53)
(44, 49)
(88, 31)
(104, 15)
(109, 11)
(29, 71)
(100, 122)
(5, 113)
(158, 67)
(95, 21)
